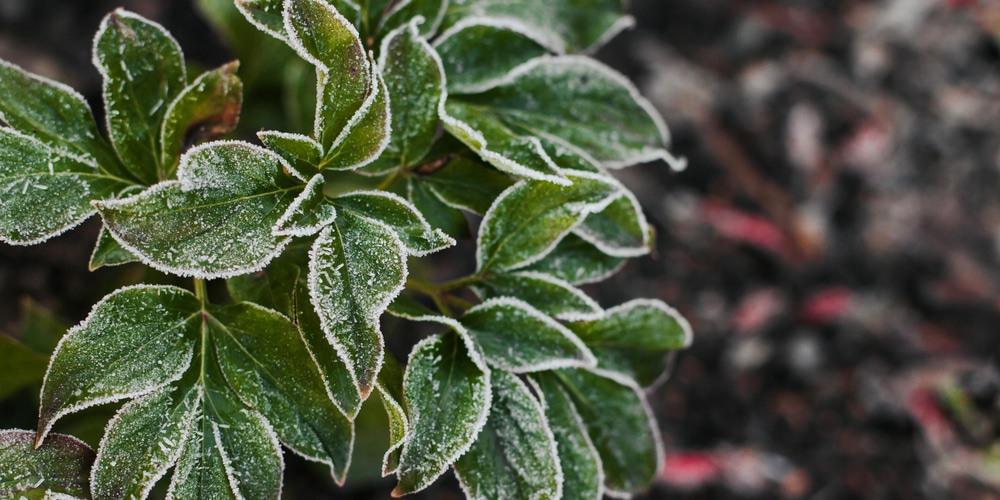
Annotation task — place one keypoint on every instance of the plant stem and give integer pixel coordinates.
(459, 283)
(201, 291)
(389, 180)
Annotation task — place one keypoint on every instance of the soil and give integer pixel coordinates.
(835, 241)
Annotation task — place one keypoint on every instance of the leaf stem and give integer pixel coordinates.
(201, 291)
(389, 180)
(462, 282)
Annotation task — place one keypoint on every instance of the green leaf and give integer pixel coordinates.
(517, 337)
(308, 214)
(108, 252)
(283, 286)
(408, 223)
(390, 390)
(22, 366)
(207, 109)
(561, 25)
(528, 219)
(635, 339)
(56, 115)
(447, 388)
(515, 454)
(58, 469)
(266, 15)
(405, 306)
(583, 476)
(477, 52)
(143, 70)
(367, 135)
(143, 440)
(578, 262)
(550, 295)
(620, 230)
(467, 184)
(328, 40)
(267, 363)
(621, 425)
(134, 341)
(438, 213)
(215, 221)
(430, 13)
(357, 266)
(415, 81)
(300, 151)
(43, 194)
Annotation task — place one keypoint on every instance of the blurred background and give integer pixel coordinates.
(835, 241)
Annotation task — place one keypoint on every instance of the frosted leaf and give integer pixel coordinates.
(576, 261)
(368, 132)
(135, 340)
(215, 221)
(550, 295)
(620, 230)
(266, 362)
(621, 426)
(107, 252)
(58, 468)
(390, 389)
(42, 193)
(407, 307)
(476, 52)
(528, 219)
(583, 474)
(438, 213)
(302, 152)
(515, 454)
(517, 337)
(563, 25)
(447, 392)
(143, 71)
(409, 224)
(357, 267)
(308, 214)
(56, 115)
(266, 15)
(431, 12)
(635, 339)
(208, 108)
(605, 116)
(143, 440)
(415, 82)
(467, 184)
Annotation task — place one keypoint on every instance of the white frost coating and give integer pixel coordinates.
(435, 22)
(378, 86)
(416, 213)
(192, 179)
(589, 360)
(259, 25)
(595, 309)
(294, 39)
(656, 304)
(582, 427)
(233, 474)
(285, 226)
(621, 24)
(391, 401)
(177, 100)
(44, 431)
(614, 251)
(318, 148)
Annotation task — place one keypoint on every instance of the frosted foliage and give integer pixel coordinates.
(528, 220)
(265, 14)
(549, 295)
(54, 113)
(448, 396)
(517, 337)
(325, 38)
(308, 214)
(390, 388)
(367, 135)
(299, 150)
(216, 221)
(476, 52)
(134, 341)
(357, 267)
(578, 262)
(636, 338)
(620, 424)
(606, 117)
(467, 184)
(58, 467)
(265, 360)
(144, 439)
(400, 215)
(619, 230)
(43, 193)
(108, 252)
(567, 25)
(431, 11)
(143, 70)
(583, 476)
(515, 453)
(200, 472)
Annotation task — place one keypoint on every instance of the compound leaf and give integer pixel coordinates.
(477, 52)
(576, 261)
(134, 341)
(528, 219)
(517, 337)
(515, 454)
(143, 70)
(415, 81)
(620, 230)
(42, 193)
(60, 468)
(549, 295)
(447, 390)
(409, 224)
(215, 221)
(635, 339)
(357, 266)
